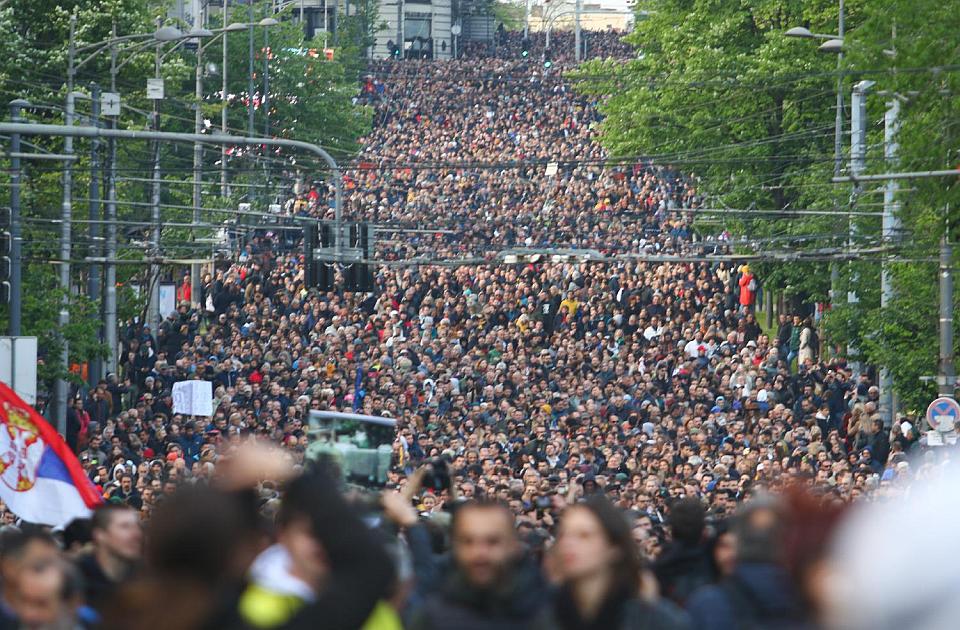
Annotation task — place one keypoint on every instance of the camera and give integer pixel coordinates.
(437, 475)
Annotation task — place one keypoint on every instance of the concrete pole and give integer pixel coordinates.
(110, 253)
(62, 389)
(946, 376)
(250, 86)
(197, 169)
(526, 20)
(223, 99)
(838, 119)
(576, 28)
(153, 316)
(891, 234)
(93, 280)
(858, 152)
(16, 233)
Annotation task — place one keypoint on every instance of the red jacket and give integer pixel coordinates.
(746, 295)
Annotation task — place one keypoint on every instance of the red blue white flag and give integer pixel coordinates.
(41, 480)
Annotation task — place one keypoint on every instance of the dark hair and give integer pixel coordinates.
(176, 546)
(758, 527)
(14, 541)
(103, 515)
(479, 504)
(687, 519)
(616, 527)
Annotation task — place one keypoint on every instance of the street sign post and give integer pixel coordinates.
(943, 414)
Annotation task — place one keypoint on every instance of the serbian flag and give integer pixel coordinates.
(41, 480)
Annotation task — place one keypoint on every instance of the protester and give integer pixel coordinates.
(117, 547)
(759, 593)
(601, 570)
(685, 564)
(492, 583)
(542, 388)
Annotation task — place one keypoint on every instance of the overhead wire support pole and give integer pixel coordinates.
(197, 171)
(93, 280)
(890, 232)
(33, 129)
(61, 387)
(946, 377)
(16, 232)
(576, 29)
(858, 152)
(154, 318)
(110, 250)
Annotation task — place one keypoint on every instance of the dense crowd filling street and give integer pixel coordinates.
(615, 444)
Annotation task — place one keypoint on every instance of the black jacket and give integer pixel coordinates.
(619, 612)
(513, 605)
(682, 569)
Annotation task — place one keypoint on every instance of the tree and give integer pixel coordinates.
(720, 93)
(904, 45)
(311, 99)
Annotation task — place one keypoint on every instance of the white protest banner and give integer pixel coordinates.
(193, 398)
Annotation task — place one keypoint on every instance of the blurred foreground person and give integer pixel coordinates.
(894, 563)
(202, 541)
(493, 584)
(40, 589)
(600, 566)
(685, 564)
(324, 557)
(759, 593)
(117, 550)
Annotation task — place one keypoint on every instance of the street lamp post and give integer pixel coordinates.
(164, 34)
(229, 28)
(833, 44)
(195, 286)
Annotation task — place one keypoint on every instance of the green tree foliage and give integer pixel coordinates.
(311, 100)
(908, 47)
(719, 92)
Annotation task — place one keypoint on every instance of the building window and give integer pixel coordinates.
(417, 25)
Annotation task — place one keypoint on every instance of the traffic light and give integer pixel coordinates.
(394, 49)
(6, 245)
(317, 273)
(547, 58)
(359, 276)
(525, 47)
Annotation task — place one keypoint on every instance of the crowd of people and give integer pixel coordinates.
(578, 445)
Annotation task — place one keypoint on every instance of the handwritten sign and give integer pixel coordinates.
(193, 398)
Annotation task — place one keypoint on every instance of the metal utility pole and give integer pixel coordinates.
(223, 98)
(16, 234)
(526, 20)
(61, 387)
(198, 164)
(93, 281)
(250, 69)
(153, 316)
(891, 232)
(576, 29)
(110, 251)
(858, 151)
(838, 120)
(946, 376)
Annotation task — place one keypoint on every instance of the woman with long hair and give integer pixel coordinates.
(600, 569)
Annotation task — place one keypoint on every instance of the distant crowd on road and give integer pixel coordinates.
(579, 445)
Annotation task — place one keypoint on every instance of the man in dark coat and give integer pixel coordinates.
(685, 564)
(759, 593)
(492, 584)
